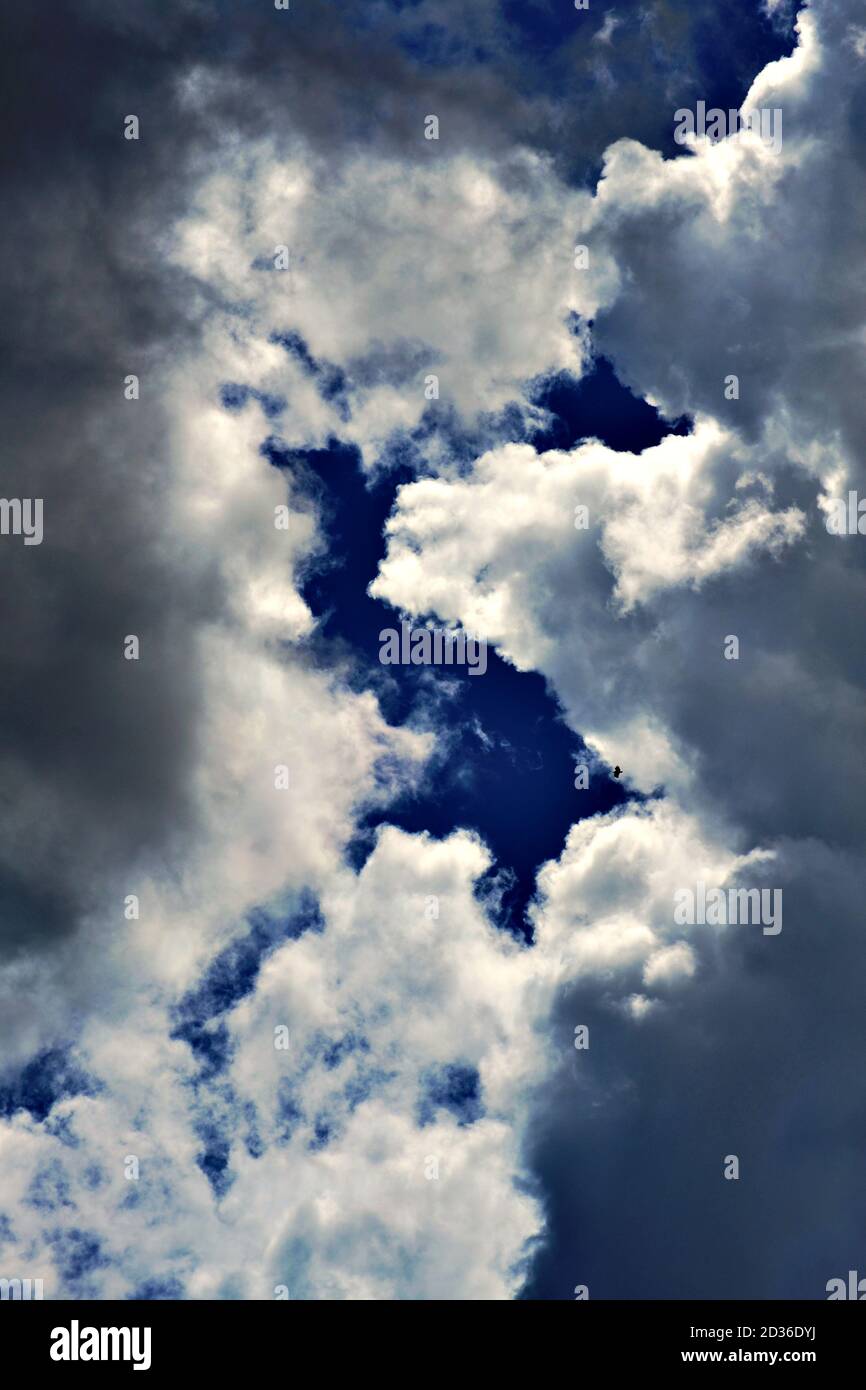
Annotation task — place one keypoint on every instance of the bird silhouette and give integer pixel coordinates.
(617, 771)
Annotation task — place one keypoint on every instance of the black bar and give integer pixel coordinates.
(608, 1336)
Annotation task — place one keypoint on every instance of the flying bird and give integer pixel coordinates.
(617, 771)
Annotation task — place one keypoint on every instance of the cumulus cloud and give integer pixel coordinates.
(381, 1145)
(508, 552)
(396, 270)
(761, 246)
(410, 1141)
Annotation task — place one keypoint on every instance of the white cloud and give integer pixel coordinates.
(734, 259)
(470, 259)
(499, 550)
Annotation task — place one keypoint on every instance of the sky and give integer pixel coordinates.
(323, 977)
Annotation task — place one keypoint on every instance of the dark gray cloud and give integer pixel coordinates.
(759, 1057)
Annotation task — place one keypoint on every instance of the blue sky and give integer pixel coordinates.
(296, 945)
